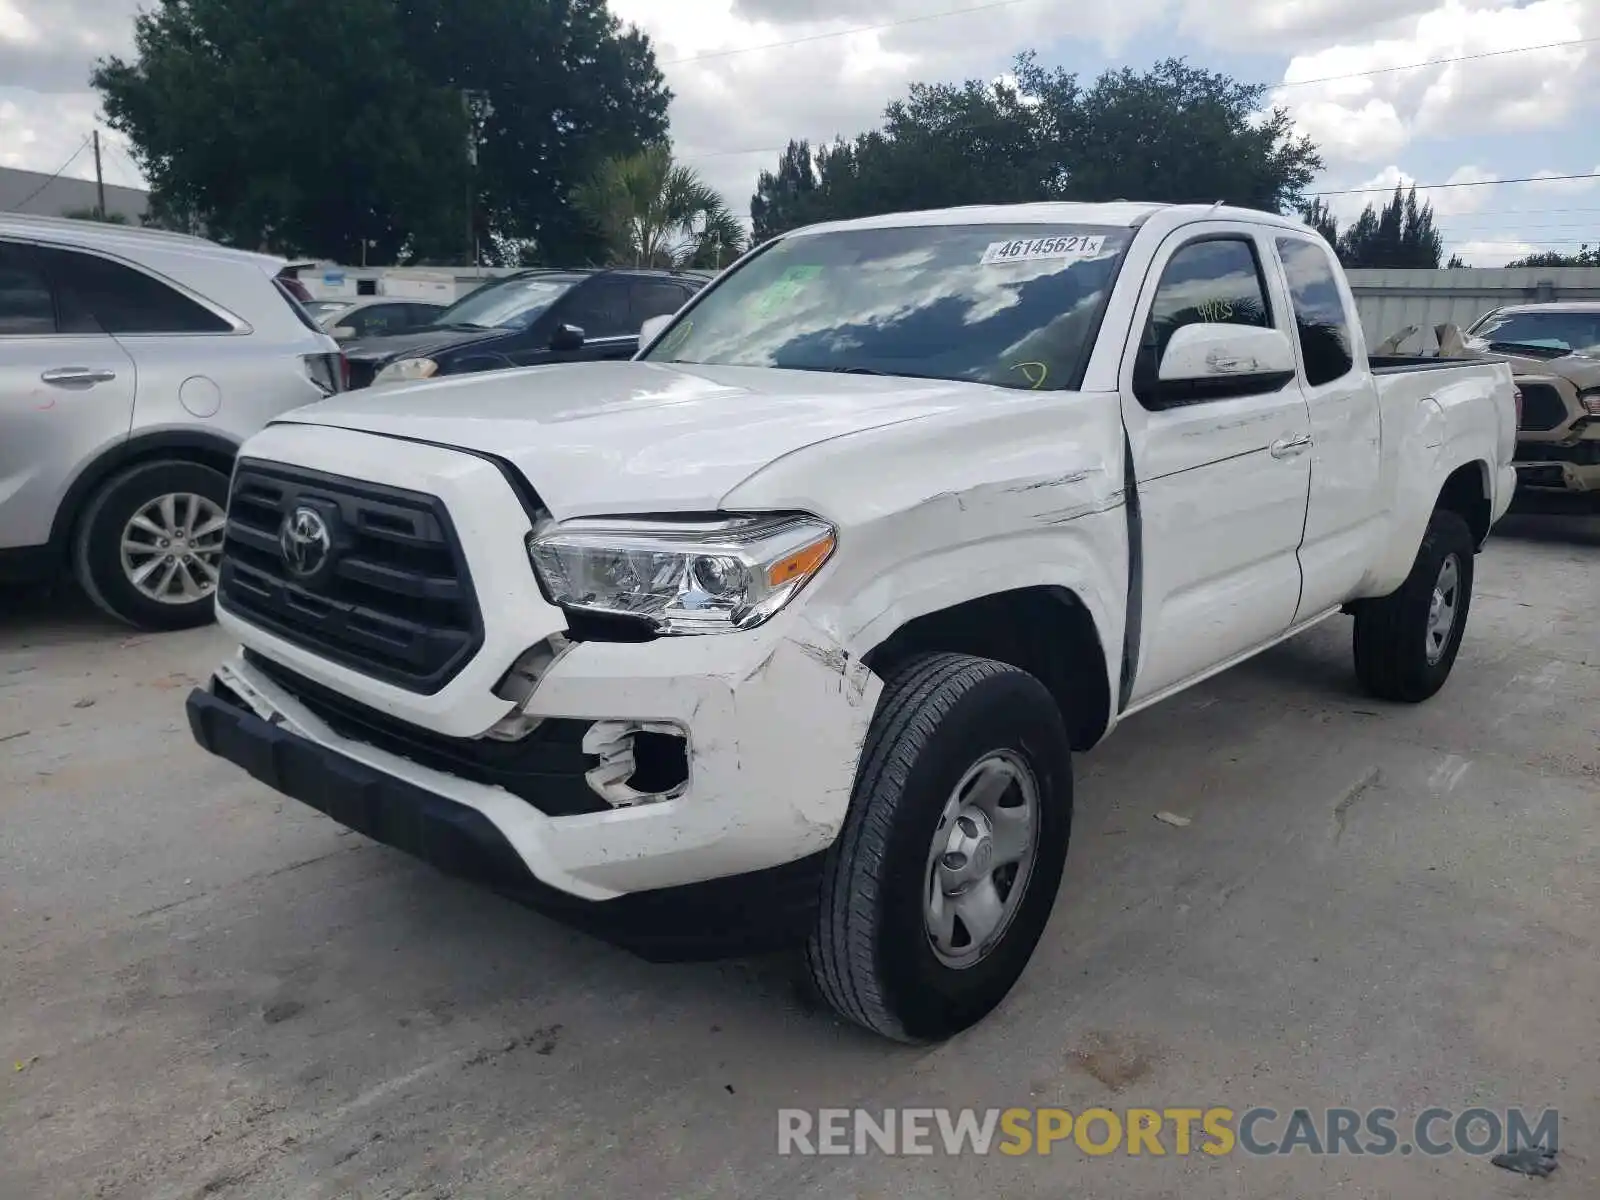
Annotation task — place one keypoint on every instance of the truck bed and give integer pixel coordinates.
(1395, 364)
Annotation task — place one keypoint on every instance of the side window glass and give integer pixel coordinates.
(25, 303)
(378, 320)
(1215, 282)
(1320, 319)
(98, 295)
(656, 299)
(599, 308)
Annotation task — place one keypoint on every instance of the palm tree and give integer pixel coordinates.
(657, 213)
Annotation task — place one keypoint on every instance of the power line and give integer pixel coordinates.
(1429, 187)
(57, 175)
(1433, 62)
(995, 4)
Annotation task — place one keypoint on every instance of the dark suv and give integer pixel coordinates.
(522, 320)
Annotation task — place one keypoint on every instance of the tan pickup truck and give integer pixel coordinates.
(1554, 350)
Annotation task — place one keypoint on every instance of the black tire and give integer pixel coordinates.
(97, 554)
(1390, 638)
(869, 953)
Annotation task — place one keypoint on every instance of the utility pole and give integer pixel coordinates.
(99, 181)
(472, 176)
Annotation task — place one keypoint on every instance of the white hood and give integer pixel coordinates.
(639, 437)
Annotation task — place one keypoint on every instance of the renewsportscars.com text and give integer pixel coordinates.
(1156, 1132)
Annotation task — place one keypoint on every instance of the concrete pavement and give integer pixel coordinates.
(212, 991)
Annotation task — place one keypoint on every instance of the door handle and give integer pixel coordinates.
(1291, 447)
(83, 376)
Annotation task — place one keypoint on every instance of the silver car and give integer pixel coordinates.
(373, 316)
(132, 365)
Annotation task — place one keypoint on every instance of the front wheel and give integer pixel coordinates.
(944, 875)
(149, 547)
(1406, 642)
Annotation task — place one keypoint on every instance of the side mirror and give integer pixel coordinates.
(1214, 362)
(651, 329)
(344, 333)
(566, 337)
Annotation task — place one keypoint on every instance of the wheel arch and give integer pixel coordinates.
(1046, 630)
(1467, 491)
(199, 446)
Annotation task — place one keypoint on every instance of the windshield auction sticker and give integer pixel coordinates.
(1067, 246)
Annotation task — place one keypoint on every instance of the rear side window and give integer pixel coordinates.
(100, 296)
(293, 302)
(656, 299)
(25, 303)
(1319, 315)
(600, 309)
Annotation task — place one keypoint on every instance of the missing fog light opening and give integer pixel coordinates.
(640, 762)
(520, 682)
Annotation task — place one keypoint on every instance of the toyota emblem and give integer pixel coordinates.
(305, 542)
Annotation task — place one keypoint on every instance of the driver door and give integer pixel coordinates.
(1222, 481)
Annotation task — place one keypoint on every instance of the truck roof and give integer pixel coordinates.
(1117, 212)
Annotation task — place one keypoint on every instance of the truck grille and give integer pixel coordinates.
(365, 575)
(1542, 407)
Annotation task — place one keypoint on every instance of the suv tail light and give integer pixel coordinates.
(330, 372)
(1516, 393)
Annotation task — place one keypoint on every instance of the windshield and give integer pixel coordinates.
(1011, 305)
(509, 304)
(1563, 332)
(323, 308)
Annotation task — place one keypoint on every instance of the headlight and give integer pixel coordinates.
(712, 575)
(1590, 399)
(407, 370)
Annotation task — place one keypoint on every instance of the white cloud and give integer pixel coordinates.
(39, 133)
(820, 86)
(1492, 254)
(748, 75)
(1232, 25)
(1364, 118)
(1551, 183)
(1447, 202)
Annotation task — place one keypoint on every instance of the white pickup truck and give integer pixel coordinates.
(785, 630)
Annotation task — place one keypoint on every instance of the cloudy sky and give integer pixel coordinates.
(750, 74)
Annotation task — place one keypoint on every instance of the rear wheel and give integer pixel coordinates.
(943, 879)
(1406, 643)
(149, 547)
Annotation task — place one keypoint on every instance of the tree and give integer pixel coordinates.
(1456, 263)
(1320, 217)
(563, 86)
(1585, 257)
(1173, 133)
(784, 198)
(311, 127)
(652, 212)
(1401, 235)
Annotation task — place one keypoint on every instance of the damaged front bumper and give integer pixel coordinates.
(771, 722)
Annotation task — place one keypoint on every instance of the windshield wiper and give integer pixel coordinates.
(831, 370)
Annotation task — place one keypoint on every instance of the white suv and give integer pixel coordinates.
(132, 365)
